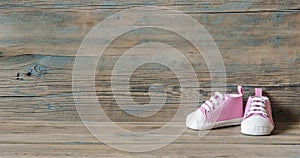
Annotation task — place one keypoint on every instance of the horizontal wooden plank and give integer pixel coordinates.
(47, 93)
(59, 28)
(50, 138)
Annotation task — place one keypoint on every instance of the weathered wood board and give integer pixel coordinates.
(259, 42)
(44, 138)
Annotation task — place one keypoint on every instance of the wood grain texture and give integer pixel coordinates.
(259, 42)
(62, 138)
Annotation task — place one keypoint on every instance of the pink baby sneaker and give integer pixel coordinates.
(258, 115)
(221, 110)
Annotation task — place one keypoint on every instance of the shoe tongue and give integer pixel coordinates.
(220, 98)
(257, 101)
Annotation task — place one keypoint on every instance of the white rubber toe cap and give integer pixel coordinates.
(197, 121)
(256, 125)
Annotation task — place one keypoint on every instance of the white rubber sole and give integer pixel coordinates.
(256, 130)
(232, 122)
(209, 126)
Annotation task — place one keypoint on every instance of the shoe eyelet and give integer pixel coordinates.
(266, 115)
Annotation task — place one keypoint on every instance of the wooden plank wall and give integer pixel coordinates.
(258, 39)
(259, 43)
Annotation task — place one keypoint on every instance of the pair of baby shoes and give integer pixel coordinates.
(227, 110)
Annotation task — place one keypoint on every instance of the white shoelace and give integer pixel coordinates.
(210, 104)
(257, 106)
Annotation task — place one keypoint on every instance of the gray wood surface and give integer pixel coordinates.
(47, 138)
(259, 42)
